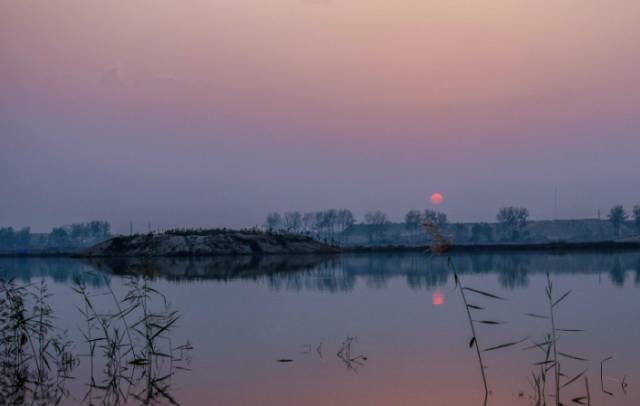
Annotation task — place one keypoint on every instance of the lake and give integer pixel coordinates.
(361, 329)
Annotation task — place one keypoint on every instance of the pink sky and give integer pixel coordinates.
(215, 112)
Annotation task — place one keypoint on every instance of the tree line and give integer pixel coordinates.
(325, 222)
(80, 233)
(76, 234)
(511, 223)
(618, 216)
(11, 238)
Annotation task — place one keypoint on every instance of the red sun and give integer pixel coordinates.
(437, 198)
(438, 298)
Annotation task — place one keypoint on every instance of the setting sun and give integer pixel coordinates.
(437, 198)
(438, 298)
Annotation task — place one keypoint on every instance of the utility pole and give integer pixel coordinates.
(130, 228)
(555, 209)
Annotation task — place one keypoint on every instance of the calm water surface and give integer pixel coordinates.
(242, 315)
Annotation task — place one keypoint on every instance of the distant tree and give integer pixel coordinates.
(636, 216)
(617, 216)
(101, 229)
(6, 237)
(308, 222)
(376, 220)
(513, 221)
(435, 217)
(331, 220)
(321, 223)
(273, 221)
(59, 238)
(345, 219)
(94, 228)
(23, 237)
(412, 219)
(412, 222)
(292, 221)
(77, 232)
(11, 238)
(83, 233)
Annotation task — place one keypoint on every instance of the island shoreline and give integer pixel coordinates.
(557, 247)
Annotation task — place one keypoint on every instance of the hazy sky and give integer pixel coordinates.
(213, 113)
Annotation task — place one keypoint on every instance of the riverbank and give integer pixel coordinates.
(294, 245)
(554, 246)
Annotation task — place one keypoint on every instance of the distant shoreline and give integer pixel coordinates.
(553, 247)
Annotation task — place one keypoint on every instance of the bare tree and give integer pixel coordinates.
(412, 221)
(345, 219)
(309, 222)
(59, 238)
(273, 221)
(617, 216)
(321, 223)
(292, 221)
(513, 221)
(436, 218)
(331, 219)
(376, 220)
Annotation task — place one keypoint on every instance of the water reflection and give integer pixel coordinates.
(60, 270)
(333, 273)
(127, 345)
(242, 314)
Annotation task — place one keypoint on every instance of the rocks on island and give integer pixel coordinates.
(208, 242)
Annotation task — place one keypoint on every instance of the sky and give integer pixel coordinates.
(213, 113)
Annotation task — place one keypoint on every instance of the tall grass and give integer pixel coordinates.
(440, 244)
(549, 345)
(35, 356)
(138, 356)
(130, 351)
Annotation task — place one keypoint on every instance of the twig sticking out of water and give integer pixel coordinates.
(602, 376)
(344, 353)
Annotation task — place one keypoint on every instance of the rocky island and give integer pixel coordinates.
(208, 243)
